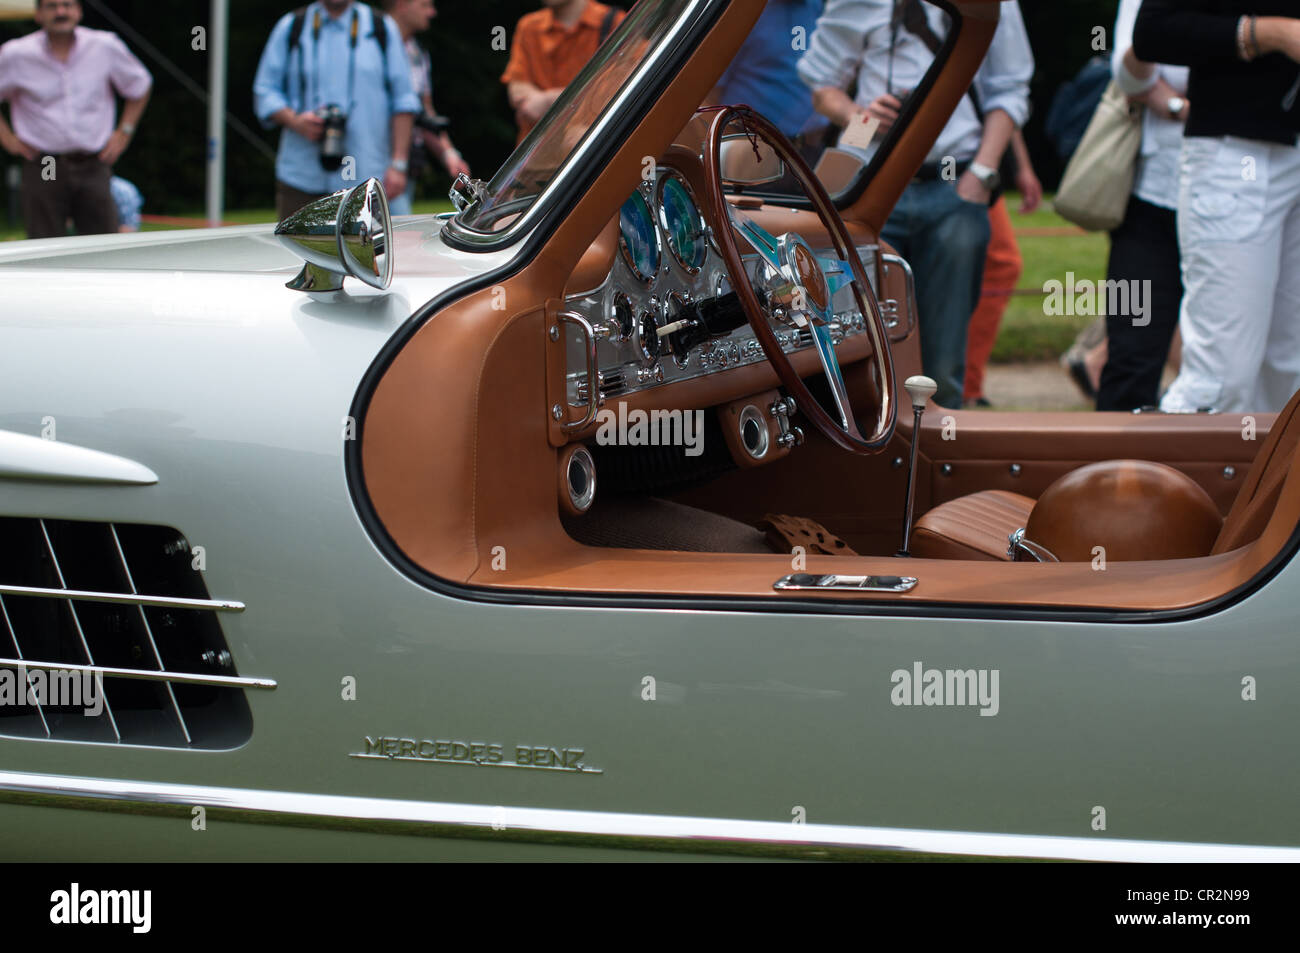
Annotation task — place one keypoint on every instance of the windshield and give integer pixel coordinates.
(577, 116)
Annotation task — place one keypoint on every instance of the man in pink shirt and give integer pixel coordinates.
(60, 83)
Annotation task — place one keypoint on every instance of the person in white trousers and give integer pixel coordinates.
(1238, 199)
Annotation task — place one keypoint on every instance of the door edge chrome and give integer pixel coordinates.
(597, 828)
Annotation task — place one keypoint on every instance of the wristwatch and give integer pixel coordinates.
(401, 165)
(989, 178)
(1176, 105)
(126, 129)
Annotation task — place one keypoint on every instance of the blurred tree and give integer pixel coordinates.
(167, 158)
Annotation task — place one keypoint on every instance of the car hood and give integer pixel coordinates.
(141, 345)
(244, 249)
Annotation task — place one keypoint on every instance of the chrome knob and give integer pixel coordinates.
(920, 388)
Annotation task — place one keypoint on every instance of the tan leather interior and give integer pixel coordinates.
(971, 527)
(1123, 510)
(1262, 490)
(459, 449)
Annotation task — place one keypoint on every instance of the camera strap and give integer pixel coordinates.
(352, 55)
(297, 26)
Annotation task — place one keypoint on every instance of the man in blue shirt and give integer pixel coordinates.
(330, 55)
(763, 74)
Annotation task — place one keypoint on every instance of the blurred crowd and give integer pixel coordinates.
(1210, 227)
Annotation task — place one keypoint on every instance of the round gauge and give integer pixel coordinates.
(624, 316)
(682, 223)
(648, 336)
(637, 238)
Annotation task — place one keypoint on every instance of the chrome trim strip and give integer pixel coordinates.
(597, 828)
(144, 675)
(124, 598)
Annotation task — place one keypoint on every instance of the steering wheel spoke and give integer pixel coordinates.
(821, 335)
(837, 275)
(759, 238)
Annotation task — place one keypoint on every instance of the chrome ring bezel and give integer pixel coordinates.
(626, 252)
(582, 458)
(661, 216)
(752, 414)
(621, 297)
(651, 314)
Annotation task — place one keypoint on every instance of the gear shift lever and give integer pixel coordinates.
(920, 388)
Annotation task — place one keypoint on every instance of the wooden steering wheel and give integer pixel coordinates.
(798, 287)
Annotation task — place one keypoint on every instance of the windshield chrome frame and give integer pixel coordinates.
(472, 239)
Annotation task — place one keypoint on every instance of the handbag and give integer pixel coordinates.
(1098, 180)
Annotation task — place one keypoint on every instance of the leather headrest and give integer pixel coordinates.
(1133, 509)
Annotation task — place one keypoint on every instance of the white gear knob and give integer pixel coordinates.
(920, 388)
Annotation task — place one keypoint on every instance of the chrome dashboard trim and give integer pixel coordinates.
(911, 290)
(593, 369)
(599, 829)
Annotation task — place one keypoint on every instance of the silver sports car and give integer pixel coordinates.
(330, 539)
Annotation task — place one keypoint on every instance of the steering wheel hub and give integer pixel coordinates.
(802, 268)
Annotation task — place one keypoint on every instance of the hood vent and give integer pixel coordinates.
(107, 634)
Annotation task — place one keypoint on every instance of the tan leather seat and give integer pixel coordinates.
(976, 526)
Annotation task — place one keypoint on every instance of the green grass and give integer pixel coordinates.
(1027, 334)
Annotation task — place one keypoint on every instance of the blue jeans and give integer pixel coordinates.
(945, 239)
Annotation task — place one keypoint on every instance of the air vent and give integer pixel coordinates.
(612, 383)
(112, 630)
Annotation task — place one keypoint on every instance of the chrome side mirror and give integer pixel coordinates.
(341, 235)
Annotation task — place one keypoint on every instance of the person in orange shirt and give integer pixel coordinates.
(550, 48)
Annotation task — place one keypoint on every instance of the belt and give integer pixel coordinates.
(67, 156)
(934, 171)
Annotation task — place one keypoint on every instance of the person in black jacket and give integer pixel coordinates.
(1239, 197)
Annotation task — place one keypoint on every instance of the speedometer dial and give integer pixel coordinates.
(683, 225)
(637, 238)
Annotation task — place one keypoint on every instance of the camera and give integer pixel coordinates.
(433, 123)
(331, 146)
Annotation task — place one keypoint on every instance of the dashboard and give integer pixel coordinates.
(666, 311)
